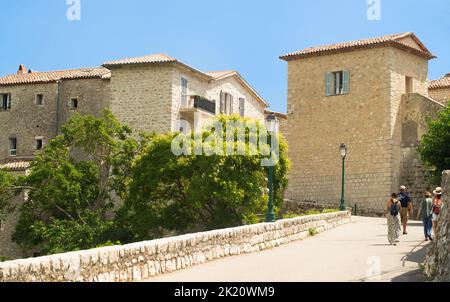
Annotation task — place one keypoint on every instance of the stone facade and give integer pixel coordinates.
(416, 108)
(441, 95)
(369, 119)
(141, 261)
(147, 97)
(437, 263)
(26, 120)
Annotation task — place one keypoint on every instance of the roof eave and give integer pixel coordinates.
(292, 57)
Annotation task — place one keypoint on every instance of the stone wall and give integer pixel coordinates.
(437, 263)
(143, 260)
(441, 95)
(318, 124)
(415, 110)
(26, 120)
(368, 119)
(141, 96)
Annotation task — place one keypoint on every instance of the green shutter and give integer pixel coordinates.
(328, 78)
(346, 81)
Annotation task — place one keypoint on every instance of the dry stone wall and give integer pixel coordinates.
(143, 260)
(437, 263)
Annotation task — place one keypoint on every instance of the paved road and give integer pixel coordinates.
(355, 252)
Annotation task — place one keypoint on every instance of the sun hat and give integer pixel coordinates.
(438, 191)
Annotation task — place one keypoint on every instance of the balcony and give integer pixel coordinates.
(196, 103)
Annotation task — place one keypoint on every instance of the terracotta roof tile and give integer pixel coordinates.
(53, 76)
(15, 165)
(155, 58)
(441, 83)
(392, 40)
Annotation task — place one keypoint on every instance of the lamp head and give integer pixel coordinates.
(343, 151)
(272, 123)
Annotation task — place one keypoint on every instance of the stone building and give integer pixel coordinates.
(440, 89)
(154, 93)
(371, 95)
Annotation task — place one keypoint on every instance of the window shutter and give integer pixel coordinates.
(230, 110)
(346, 81)
(8, 97)
(328, 78)
(222, 107)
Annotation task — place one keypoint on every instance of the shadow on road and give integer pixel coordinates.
(412, 276)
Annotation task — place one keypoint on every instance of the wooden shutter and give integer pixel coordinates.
(328, 78)
(230, 105)
(222, 102)
(346, 81)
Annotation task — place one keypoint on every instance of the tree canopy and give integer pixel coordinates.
(179, 194)
(73, 184)
(435, 144)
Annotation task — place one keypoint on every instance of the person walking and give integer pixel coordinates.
(424, 214)
(436, 209)
(406, 207)
(393, 219)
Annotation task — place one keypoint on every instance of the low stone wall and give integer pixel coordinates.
(143, 260)
(437, 263)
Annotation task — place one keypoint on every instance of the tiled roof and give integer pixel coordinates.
(390, 40)
(155, 58)
(441, 83)
(53, 76)
(15, 165)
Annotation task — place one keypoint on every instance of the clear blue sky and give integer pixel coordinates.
(246, 35)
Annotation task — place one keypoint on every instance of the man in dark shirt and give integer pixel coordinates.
(406, 207)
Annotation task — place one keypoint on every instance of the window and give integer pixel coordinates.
(73, 104)
(337, 83)
(242, 107)
(226, 103)
(13, 146)
(39, 143)
(184, 92)
(5, 98)
(39, 99)
(409, 85)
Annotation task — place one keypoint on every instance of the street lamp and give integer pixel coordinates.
(272, 127)
(343, 151)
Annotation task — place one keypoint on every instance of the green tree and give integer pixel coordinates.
(434, 148)
(8, 190)
(74, 183)
(178, 194)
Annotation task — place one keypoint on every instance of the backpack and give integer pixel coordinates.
(394, 209)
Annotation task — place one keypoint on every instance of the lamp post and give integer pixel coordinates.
(272, 127)
(343, 151)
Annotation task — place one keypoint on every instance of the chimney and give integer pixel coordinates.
(22, 69)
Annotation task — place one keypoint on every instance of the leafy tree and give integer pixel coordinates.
(8, 190)
(74, 183)
(435, 145)
(178, 194)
